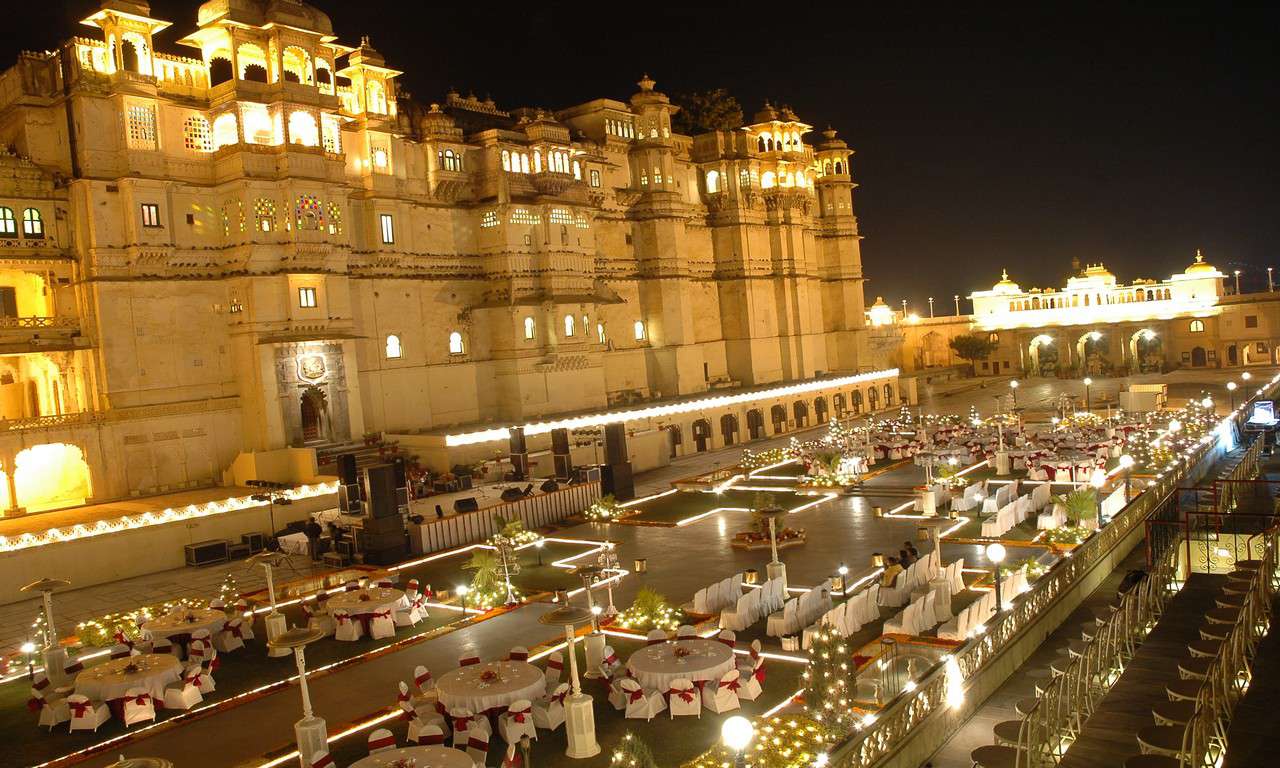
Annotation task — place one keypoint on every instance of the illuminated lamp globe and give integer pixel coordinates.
(1231, 385)
(737, 732)
(1246, 375)
(1098, 478)
(995, 552)
(1013, 384)
(1175, 425)
(1207, 402)
(1088, 381)
(1126, 461)
(28, 648)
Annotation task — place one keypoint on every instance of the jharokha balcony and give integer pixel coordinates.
(35, 334)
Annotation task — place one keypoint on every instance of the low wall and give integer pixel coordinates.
(471, 527)
(140, 551)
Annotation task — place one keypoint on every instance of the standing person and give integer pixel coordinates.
(314, 532)
(439, 512)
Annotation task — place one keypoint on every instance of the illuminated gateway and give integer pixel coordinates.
(259, 245)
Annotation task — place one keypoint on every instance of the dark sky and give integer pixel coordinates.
(986, 136)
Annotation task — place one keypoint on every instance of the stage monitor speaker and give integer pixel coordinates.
(549, 486)
(466, 504)
(615, 444)
(347, 473)
(380, 491)
(348, 496)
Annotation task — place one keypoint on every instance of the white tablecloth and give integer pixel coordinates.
(366, 602)
(655, 666)
(295, 544)
(108, 681)
(423, 757)
(185, 622)
(515, 680)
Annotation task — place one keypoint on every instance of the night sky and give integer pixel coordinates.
(1013, 136)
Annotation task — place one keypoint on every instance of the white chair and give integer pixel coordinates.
(382, 625)
(897, 595)
(728, 637)
(412, 614)
(610, 663)
(723, 696)
(684, 699)
(203, 680)
(684, 630)
(418, 725)
(518, 653)
(52, 712)
(752, 684)
(139, 707)
(381, 740)
(346, 629)
(318, 618)
(555, 668)
(242, 610)
(655, 637)
(468, 661)
(548, 712)
(517, 722)
(182, 695)
(430, 736)
(423, 686)
(86, 715)
(957, 579)
(411, 589)
(617, 698)
(162, 645)
(200, 647)
(322, 759)
(466, 724)
(641, 704)
(904, 622)
(230, 637)
(478, 748)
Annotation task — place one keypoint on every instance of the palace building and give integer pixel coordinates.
(259, 245)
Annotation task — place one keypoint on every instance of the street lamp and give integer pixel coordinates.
(1013, 385)
(930, 306)
(28, 649)
(1231, 388)
(737, 733)
(462, 590)
(904, 309)
(957, 300)
(538, 545)
(843, 570)
(1237, 273)
(1270, 285)
(1246, 376)
(53, 655)
(311, 732)
(1126, 464)
(1087, 383)
(580, 721)
(995, 553)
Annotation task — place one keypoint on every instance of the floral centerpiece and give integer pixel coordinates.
(757, 536)
(604, 509)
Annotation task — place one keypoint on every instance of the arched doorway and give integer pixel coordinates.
(729, 429)
(1091, 351)
(820, 409)
(837, 400)
(873, 398)
(1233, 355)
(701, 435)
(50, 476)
(855, 399)
(674, 438)
(315, 415)
(1197, 357)
(778, 415)
(755, 424)
(888, 395)
(801, 411)
(1043, 355)
(1146, 353)
(1256, 353)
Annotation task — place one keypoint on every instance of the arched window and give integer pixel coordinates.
(225, 131)
(264, 211)
(1197, 326)
(839, 167)
(524, 163)
(297, 65)
(375, 98)
(528, 328)
(600, 333)
(713, 182)
(8, 225)
(309, 213)
(767, 180)
(569, 325)
(455, 343)
(506, 160)
(335, 218)
(537, 161)
(196, 134)
(220, 69)
(577, 170)
(253, 63)
(450, 161)
(324, 77)
(32, 224)
(303, 130)
(393, 347)
(639, 330)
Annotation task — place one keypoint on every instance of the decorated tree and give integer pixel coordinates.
(781, 741)
(487, 585)
(829, 680)
(649, 610)
(604, 509)
(229, 591)
(632, 752)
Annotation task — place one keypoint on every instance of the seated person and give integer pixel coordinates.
(905, 558)
(891, 570)
(911, 549)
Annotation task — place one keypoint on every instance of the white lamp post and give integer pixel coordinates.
(53, 655)
(462, 590)
(1126, 463)
(957, 300)
(274, 620)
(1013, 388)
(538, 545)
(580, 721)
(1237, 273)
(1231, 389)
(776, 569)
(311, 733)
(1087, 383)
(843, 570)
(1270, 285)
(930, 306)
(995, 553)
(737, 733)
(594, 644)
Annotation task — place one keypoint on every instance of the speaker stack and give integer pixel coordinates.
(383, 531)
(519, 454)
(350, 496)
(616, 476)
(560, 454)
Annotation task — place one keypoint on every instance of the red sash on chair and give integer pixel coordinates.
(402, 697)
(560, 698)
(235, 629)
(518, 656)
(141, 699)
(556, 665)
(758, 673)
(732, 685)
(468, 661)
(657, 641)
(422, 681)
(685, 694)
(476, 742)
(80, 708)
(194, 679)
(727, 641)
(462, 724)
(75, 668)
(635, 695)
(385, 741)
(611, 659)
(41, 683)
(406, 712)
(36, 703)
(432, 739)
(518, 715)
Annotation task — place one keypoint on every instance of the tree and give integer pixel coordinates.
(829, 680)
(703, 111)
(972, 347)
(632, 752)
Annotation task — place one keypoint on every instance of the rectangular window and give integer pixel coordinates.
(489, 219)
(595, 178)
(388, 228)
(1250, 321)
(150, 215)
(8, 302)
(307, 297)
(140, 122)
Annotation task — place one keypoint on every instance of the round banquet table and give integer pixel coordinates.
(179, 625)
(362, 604)
(423, 757)
(463, 687)
(656, 666)
(110, 681)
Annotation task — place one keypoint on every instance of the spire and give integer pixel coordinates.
(1199, 257)
(646, 83)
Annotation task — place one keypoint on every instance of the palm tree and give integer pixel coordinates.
(1081, 506)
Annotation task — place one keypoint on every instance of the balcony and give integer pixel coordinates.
(40, 334)
(552, 182)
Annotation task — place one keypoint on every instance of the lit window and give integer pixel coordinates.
(302, 129)
(379, 158)
(595, 177)
(335, 219)
(581, 222)
(506, 160)
(560, 216)
(332, 133)
(388, 228)
(393, 347)
(528, 327)
(309, 213)
(1197, 326)
(196, 134)
(150, 215)
(524, 163)
(141, 123)
(32, 224)
(489, 219)
(639, 330)
(265, 212)
(600, 332)
(767, 180)
(225, 130)
(577, 170)
(524, 216)
(713, 182)
(8, 225)
(568, 325)
(455, 343)
(307, 298)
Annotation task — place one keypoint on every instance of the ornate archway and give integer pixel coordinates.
(1043, 356)
(1146, 352)
(314, 410)
(1091, 351)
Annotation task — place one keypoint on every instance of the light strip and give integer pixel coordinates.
(655, 411)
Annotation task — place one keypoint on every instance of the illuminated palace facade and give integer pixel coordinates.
(1096, 325)
(260, 245)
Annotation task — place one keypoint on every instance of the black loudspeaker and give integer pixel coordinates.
(380, 491)
(549, 486)
(616, 479)
(402, 477)
(511, 494)
(349, 498)
(467, 504)
(615, 444)
(347, 473)
(560, 441)
(516, 440)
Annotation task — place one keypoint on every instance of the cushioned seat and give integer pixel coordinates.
(1229, 601)
(1152, 761)
(1248, 565)
(1077, 647)
(1023, 706)
(1007, 732)
(1182, 690)
(1223, 615)
(1214, 631)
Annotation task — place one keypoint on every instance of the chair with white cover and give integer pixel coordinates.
(728, 637)
(382, 625)
(555, 668)
(410, 614)
(322, 759)
(318, 618)
(745, 666)
(870, 610)
(424, 689)
(904, 622)
(617, 697)
(548, 712)
(428, 735)
(478, 748)
(346, 628)
(181, 695)
(52, 711)
(162, 645)
(139, 707)
(656, 636)
(468, 661)
(242, 609)
(86, 715)
(684, 699)
(517, 722)
(723, 696)
(381, 740)
(230, 637)
(351, 586)
(897, 595)
(610, 664)
(417, 724)
(411, 589)
(199, 677)
(518, 653)
(466, 724)
(752, 684)
(684, 630)
(386, 583)
(641, 704)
